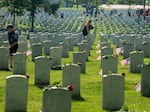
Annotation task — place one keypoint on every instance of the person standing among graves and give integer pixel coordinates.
(13, 42)
(129, 12)
(87, 28)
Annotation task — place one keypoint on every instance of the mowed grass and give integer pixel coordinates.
(91, 86)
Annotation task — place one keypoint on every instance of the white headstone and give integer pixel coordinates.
(127, 48)
(56, 100)
(106, 51)
(36, 50)
(136, 60)
(146, 49)
(145, 83)
(56, 54)
(79, 58)
(22, 47)
(46, 45)
(42, 71)
(71, 75)
(109, 64)
(16, 94)
(19, 63)
(4, 53)
(113, 92)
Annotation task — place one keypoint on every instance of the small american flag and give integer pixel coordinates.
(119, 50)
(29, 52)
(138, 87)
(125, 62)
(99, 58)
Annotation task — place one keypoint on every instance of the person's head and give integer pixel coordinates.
(10, 28)
(89, 22)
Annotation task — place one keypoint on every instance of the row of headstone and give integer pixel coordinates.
(19, 61)
(115, 100)
(55, 99)
(70, 74)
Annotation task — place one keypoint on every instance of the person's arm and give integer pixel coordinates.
(91, 27)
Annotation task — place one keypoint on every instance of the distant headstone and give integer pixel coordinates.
(70, 41)
(22, 47)
(36, 50)
(138, 43)
(19, 63)
(109, 64)
(145, 83)
(104, 44)
(136, 60)
(76, 39)
(106, 51)
(127, 48)
(56, 100)
(83, 47)
(79, 58)
(104, 39)
(71, 75)
(23, 38)
(5, 43)
(4, 54)
(16, 93)
(34, 40)
(113, 92)
(148, 19)
(42, 71)
(47, 44)
(56, 54)
(146, 49)
(65, 49)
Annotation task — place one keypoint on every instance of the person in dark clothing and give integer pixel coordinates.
(129, 12)
(13, 42)
(87, 28)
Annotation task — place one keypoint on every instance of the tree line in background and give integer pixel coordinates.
(138, 2)
(18, 7)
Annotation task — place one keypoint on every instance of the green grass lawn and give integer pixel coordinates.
(91, 86)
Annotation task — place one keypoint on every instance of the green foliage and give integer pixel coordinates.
(54, 8)
(124, 1)
(14, 6)
(51, 8)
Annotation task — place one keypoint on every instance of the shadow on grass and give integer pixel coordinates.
(6, 70)
(39, 86)
(78, 98)
(126, 68)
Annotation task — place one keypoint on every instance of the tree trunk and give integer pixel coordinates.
(144, 4)
(14, 17)
(77, 4)
(32, 24)
(66, 3)
(96, 3)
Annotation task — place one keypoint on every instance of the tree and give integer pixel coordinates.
(49, 7)
(15, 7)
(32, 7)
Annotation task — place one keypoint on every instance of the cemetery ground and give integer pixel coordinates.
(91, 85)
